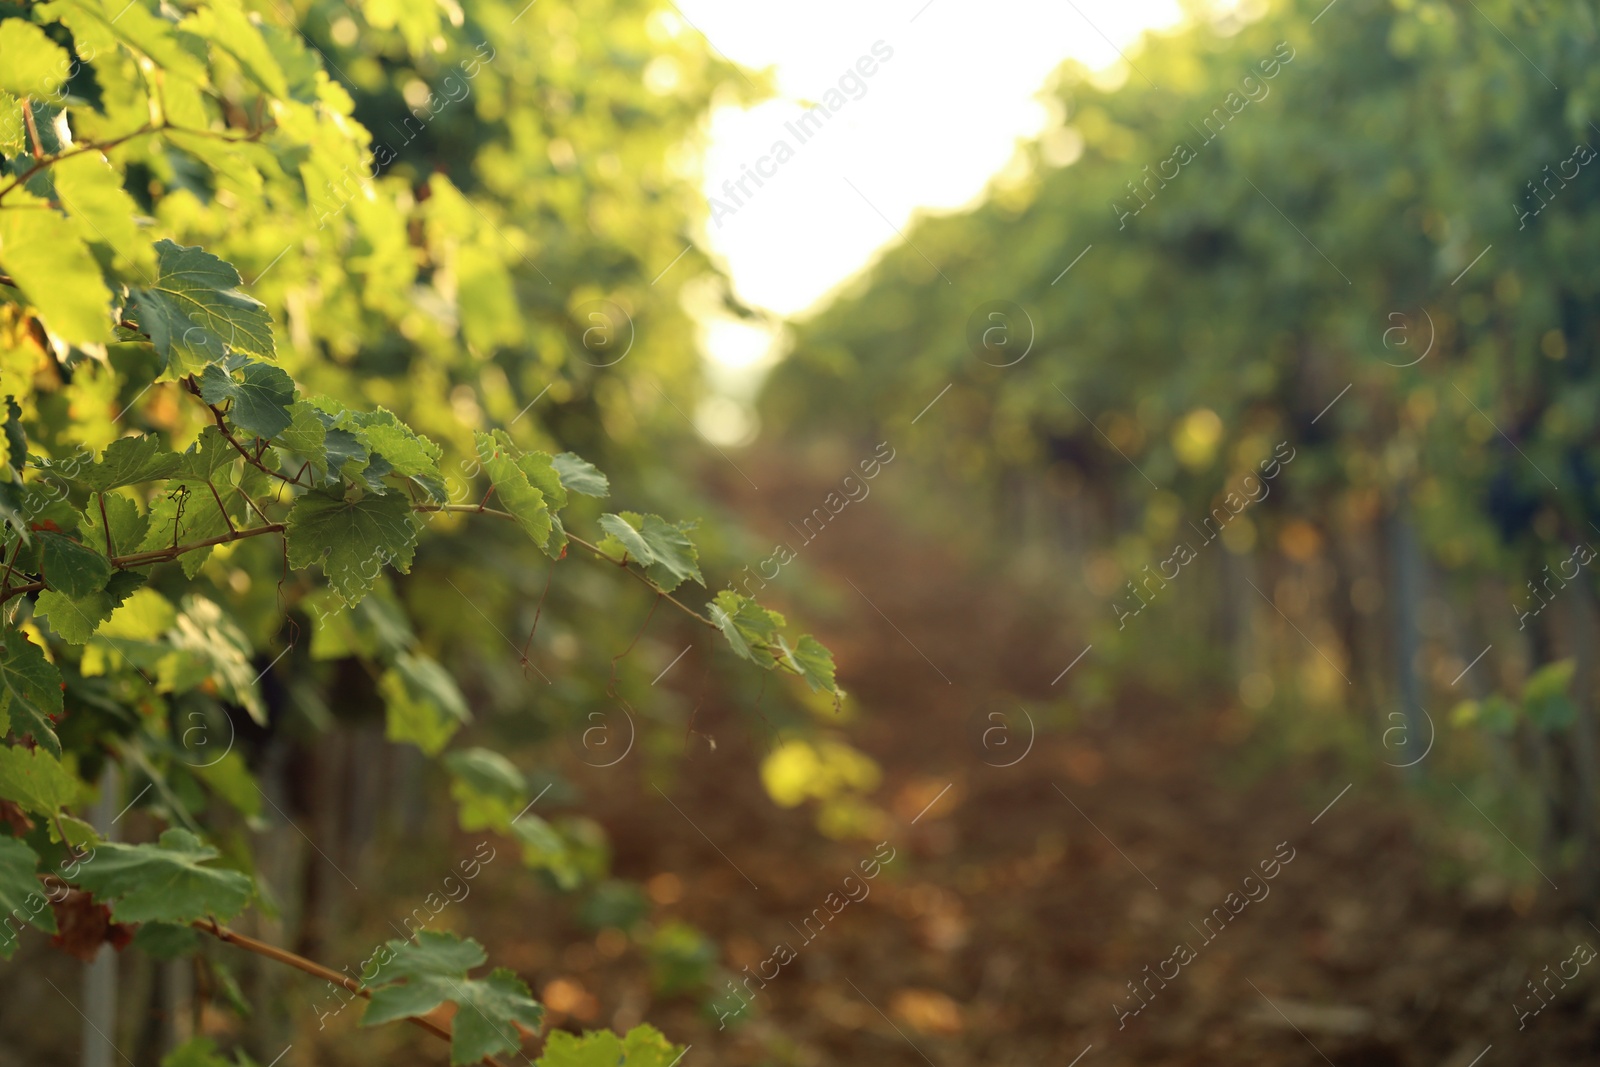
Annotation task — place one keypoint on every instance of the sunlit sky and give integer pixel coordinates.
(926, 130)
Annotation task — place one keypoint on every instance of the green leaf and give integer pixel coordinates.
(1494, 713)
(35, 779)
(214, 641)
(408, 453)
(624, 537)
(166, 941)
(377, 628)
(19, 888)
(165, 882)
(813, 662)
(433, 969)
(261, 395)
(351, 539)
(644, 1046)
(750, 628)
(128, 525)
(540, 470)
(34, 64)
(144, 616)
(343, 454)
(663, 548)
(72, 568)
(676, 559)
(228, 27)
(565, 849)
(600, 1048)
(210, 454)
(511, 485)
(423, 703)
(13, 442)
(75, 619)
(91, 190)
(581, 476)
(131, 461)
(30, 691)
(184, 513)
(488, 789)
(195, 314)
(42, 252)
(306, 437)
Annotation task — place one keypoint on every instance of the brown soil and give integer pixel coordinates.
(1009, 924)
(1021, 900)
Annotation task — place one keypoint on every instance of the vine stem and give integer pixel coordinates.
(316, 970)
(101, 146)
(222, 427)
(143, 559)
(162, 555)
(479, 509)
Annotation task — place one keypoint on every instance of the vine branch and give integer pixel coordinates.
(102, 146)
(222, 428)
(316, 970)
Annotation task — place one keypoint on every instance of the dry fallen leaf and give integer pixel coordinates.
(927, 1010)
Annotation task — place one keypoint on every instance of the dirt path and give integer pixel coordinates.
(1024, 902)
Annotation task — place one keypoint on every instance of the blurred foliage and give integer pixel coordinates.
(343, 272)
(1338, 259)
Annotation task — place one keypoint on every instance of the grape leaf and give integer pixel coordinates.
(185, 512)
(261, 395)
(221, 648)
(625, 537)
(210, 453)
(580, 476)
(540, 470)
(229, 28)
(749, 627)
(167, 941)
(144, 616)
(423, 704)
(668, 556)
(75, 619)
(344, 454)
(644, 1046)
(164, 882)
(194, 313)
(128, 525)
(34, 64)
(72, 568)
(51, 264)
(306, 437)
(812, 661)
(409, 454)
(35, 779)
(30, 691)
(13, 442)
(434, 970)
(352, 539)
(488, 789)
(19, 884)
(91, 190)
(517, 494)
(130, 461)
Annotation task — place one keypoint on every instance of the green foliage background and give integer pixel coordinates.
(296, 290)
(1359, 235)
